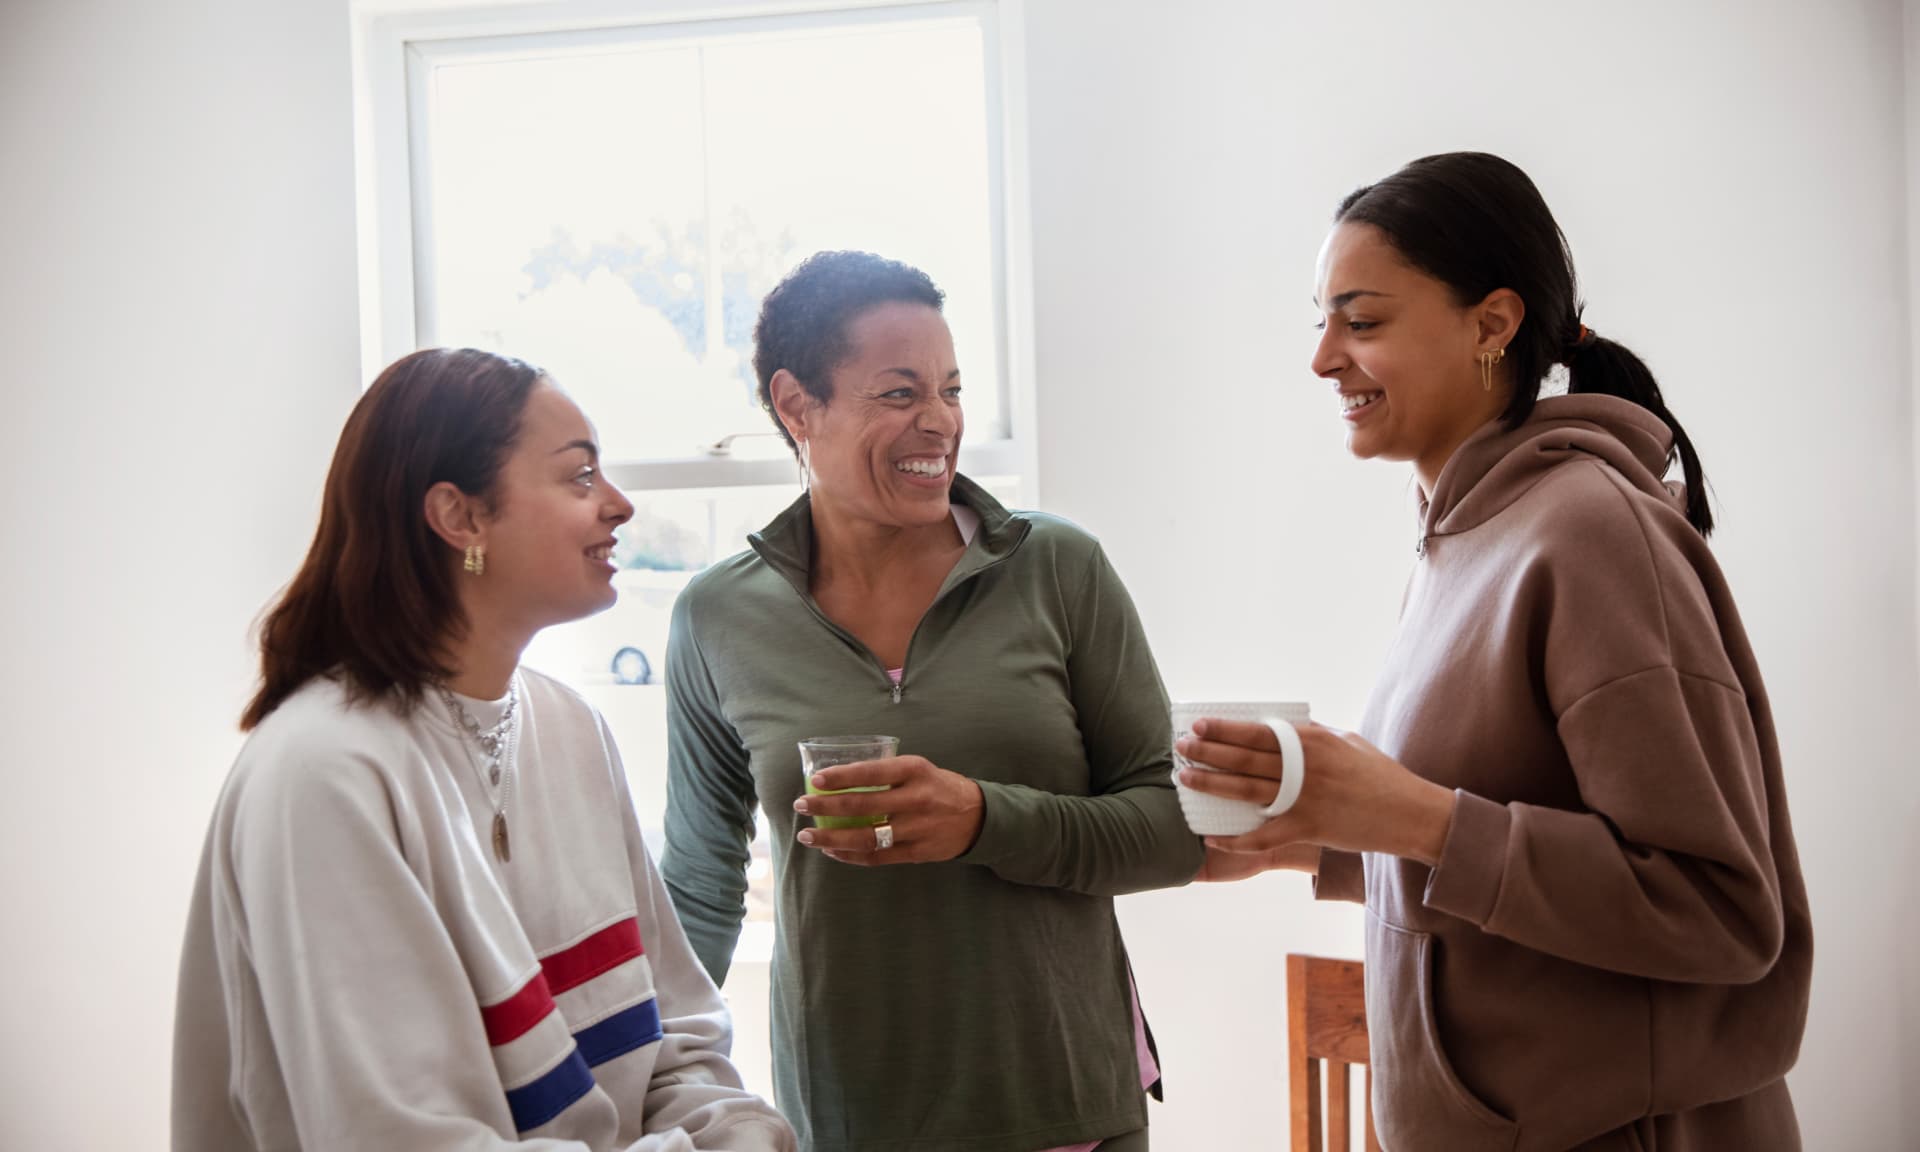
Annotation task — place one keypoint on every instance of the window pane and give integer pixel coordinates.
(873, 139)
(616, 216)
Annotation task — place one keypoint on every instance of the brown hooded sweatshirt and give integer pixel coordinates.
(1614, 949)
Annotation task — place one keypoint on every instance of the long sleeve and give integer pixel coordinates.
(377, 1037)
(710, 797)
(341, 941)
(1340, 876)
(695, 1099)
(1669, 876)
(1669, 873)
(1128, 835)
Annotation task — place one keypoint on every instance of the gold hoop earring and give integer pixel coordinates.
(1487, 361)
(476, 559)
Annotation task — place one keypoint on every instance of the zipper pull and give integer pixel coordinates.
(1420, 545)
(896, 693)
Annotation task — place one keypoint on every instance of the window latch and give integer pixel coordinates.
(724, 445)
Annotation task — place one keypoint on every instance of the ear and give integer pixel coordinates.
(454, 516)
(1497, 318)
(792, 403)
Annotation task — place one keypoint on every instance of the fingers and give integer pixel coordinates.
(933, 815)
(877, 802)
(859, 840)
(1279, 832)
(1233, 757)
(871, 773)
(1230, 785)
(896, 855)
(863, 859)
(1225, 867)
(1246, 733)
(856, 846)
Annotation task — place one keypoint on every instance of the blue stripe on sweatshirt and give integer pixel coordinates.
(536, 1103)
(620, 1033)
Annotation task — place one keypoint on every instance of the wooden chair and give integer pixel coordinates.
(1326, 1020)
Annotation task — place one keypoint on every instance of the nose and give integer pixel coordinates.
(1329, 359)
(940, 416)
(619, 509)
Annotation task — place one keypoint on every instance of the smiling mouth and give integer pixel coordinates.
(1351, 402)
(601, 552)
(935, 467)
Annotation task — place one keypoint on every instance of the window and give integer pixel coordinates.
(612, 201)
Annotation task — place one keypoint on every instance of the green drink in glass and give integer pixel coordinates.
(826, 752)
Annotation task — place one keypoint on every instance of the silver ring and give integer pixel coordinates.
(882, 837)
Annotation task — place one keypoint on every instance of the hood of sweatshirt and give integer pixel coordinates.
(1496, 466)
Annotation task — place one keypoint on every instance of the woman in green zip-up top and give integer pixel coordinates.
(953, 979)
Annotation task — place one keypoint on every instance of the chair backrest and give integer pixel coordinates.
(1326, 1020)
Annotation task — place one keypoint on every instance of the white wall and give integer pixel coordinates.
(1908, 951)
(1732, 182)
(178, 305)
(178, 318)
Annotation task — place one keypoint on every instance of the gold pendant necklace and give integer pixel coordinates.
(500, 745)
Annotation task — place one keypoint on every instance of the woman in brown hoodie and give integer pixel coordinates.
(1586, 925)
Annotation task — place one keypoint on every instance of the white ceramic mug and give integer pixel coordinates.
(1210, 815)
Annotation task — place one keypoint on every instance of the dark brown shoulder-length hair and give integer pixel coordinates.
(374, 601)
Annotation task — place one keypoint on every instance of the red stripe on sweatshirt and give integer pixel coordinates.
(606, 949)
(513, 1017)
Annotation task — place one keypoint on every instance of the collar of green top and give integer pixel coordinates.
(786, 543)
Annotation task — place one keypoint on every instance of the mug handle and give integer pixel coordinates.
(1293, 765)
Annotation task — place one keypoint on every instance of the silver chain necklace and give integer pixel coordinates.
(500, 747)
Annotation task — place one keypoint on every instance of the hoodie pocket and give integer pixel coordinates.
(1419, 1102)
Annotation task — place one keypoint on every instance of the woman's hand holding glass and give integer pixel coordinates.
(933, 814)
(1355, 798)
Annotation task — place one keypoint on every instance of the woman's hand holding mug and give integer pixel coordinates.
(1354, 798)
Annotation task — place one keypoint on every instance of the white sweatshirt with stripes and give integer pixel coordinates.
(360, 971)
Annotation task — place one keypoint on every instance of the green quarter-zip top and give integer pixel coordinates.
(976, 1005)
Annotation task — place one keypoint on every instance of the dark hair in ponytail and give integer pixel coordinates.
(1477, 224)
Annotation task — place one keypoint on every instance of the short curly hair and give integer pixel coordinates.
(804, 321)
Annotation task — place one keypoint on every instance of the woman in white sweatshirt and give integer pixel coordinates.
(425, 918)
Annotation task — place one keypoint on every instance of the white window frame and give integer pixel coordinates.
(397, 42)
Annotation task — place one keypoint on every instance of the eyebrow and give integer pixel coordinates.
(592, 449)
(910, 374)
(1346, 298)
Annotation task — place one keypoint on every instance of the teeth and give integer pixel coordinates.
(922, 467)
(600, 552)
(1351, 401)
